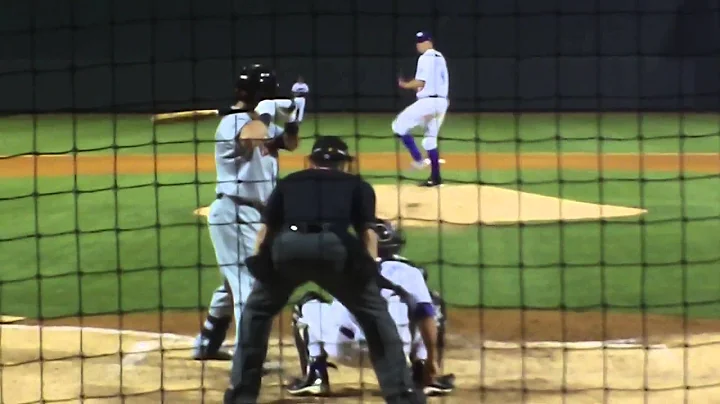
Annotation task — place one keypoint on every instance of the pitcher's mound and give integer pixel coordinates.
(472, 204)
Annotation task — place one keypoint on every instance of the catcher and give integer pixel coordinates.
(326, 331)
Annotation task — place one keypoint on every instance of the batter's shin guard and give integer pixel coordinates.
(214, 332)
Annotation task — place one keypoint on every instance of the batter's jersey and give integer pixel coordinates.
(432, 69)
(300, 88)
(252, 178)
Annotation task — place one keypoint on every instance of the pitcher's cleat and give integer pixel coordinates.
(429, 183)
(426, 162)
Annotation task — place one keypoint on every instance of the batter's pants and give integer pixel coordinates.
(233, 230)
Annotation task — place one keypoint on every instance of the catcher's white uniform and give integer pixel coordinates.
(332, 328)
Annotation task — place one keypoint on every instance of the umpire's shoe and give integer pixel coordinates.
(316, 383)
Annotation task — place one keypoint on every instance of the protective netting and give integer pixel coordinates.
(575, 240)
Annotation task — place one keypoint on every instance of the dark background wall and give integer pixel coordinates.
(502, 54)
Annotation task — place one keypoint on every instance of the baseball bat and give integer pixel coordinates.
(198, 113)
(182, 115)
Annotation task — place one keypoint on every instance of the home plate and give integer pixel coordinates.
(10, 319)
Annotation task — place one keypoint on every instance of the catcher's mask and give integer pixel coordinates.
(331, 152)
(390, 240)
(256, 83)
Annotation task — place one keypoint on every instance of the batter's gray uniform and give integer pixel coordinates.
(233, 227)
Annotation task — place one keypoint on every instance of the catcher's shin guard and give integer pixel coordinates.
(300, 331)
(441, 319)
(300, 336)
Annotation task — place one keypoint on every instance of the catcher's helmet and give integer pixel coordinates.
(390, 239)
(256, 83)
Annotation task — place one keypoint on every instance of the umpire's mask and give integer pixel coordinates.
(331, 152)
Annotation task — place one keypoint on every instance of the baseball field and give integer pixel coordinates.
(580, 254)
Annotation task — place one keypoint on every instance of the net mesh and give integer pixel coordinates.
(574, 242)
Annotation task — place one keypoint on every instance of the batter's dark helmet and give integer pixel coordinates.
(256, 83)
(390, 239)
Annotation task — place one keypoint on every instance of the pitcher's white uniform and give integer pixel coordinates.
(251, 179)
(300, 91)
(331, 326)
(431, 105)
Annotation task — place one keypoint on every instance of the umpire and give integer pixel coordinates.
(306, 238)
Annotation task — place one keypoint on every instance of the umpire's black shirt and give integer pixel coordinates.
(321, 196)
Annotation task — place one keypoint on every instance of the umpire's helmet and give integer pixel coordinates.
(256, 83)
(390, 239)
(330, 150)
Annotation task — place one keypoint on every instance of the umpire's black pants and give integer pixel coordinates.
(321, 258)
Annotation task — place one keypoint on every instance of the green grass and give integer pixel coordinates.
(568, 132)
(551, 266)
(87, 266)
(136, 246)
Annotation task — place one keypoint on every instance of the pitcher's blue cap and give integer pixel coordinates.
(423, 36)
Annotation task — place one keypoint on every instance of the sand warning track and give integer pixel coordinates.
(83, 164)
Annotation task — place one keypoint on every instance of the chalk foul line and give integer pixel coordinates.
(154, 341)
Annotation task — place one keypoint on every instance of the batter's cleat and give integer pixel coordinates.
(316, 383)
(429, 183)
(204, 351)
